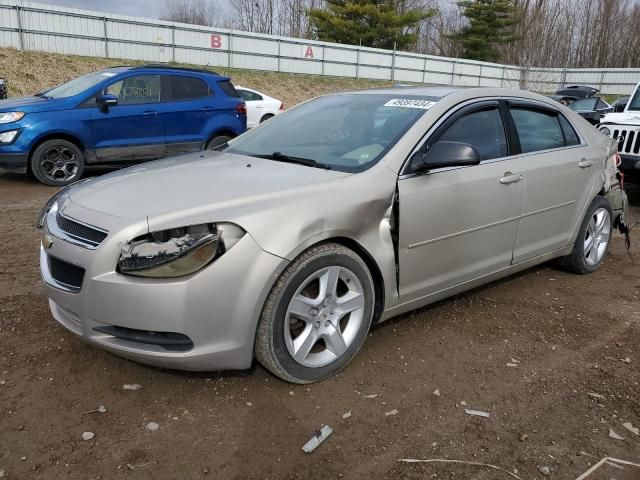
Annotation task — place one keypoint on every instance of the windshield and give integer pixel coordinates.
(78, 85)
(348, 132)
(584, 105)
(634, 104)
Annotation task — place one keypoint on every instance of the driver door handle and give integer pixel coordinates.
(584, 163)
(149, 113)
(509, 177)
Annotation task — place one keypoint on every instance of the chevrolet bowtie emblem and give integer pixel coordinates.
(47, 241)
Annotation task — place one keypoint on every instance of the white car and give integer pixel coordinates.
(260, 107)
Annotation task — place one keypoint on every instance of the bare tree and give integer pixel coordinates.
(195, 12)
(550, 33)
(278, 17)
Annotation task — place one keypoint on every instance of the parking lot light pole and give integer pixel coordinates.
(106, 39)
(20, 33)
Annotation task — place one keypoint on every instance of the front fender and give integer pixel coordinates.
(39, 126)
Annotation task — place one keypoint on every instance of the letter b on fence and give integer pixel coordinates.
(216, 41)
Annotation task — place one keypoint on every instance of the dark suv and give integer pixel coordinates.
(117, 116)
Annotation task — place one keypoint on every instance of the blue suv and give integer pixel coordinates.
(118, 116)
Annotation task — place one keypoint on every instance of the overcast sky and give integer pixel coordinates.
(135, 8)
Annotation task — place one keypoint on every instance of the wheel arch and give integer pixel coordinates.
(220, 132)
(364, 254)
(267, 116)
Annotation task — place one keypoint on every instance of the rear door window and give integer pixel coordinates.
(140, 89)
(187, 88)
(538, 129)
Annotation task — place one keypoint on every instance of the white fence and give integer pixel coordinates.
(34, 26)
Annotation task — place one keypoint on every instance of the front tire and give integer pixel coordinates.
(593, 239)
(57, 163)
(317, 315)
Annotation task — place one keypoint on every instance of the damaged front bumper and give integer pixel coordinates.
(205, 321)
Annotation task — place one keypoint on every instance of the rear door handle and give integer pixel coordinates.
(584, 163)
(509, 177)
(149, 113)
(207, 109)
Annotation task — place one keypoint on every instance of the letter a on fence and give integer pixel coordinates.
(308, 53)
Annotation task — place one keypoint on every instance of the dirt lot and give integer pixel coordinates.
(568, 336)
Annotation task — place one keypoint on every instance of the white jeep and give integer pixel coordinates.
(625, 126)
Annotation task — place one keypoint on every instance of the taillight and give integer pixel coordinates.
(241, 108)
(281, 106)
(621, 180)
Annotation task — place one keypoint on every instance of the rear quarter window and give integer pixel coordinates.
(227, 87)
(570, 136)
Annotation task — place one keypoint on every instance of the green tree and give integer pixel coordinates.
(371, 23)
(491, 24)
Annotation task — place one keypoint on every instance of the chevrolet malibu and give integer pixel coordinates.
(288, 243)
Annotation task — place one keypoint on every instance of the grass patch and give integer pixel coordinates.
(28, 72)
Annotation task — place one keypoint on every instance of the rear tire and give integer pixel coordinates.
(266, 117)
(57, 163)
(317, 315)
(592, 242)
(217, 141)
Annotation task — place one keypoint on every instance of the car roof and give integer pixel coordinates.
(421, 91)
(460, 93)
(160, 66)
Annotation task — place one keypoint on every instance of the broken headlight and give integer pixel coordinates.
(177, 252)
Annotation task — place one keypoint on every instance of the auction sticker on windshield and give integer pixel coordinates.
(410, 103)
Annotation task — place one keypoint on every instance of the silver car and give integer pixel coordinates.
(290, 242)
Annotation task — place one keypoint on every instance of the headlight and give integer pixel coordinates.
(8, 137)
(177, 252)
(53, 199)
(605, 130)
(8, 117)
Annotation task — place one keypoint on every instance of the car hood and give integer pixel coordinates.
(32, 104)
(193, 183)
(623, 118)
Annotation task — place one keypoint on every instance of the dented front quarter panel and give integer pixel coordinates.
(285, 223)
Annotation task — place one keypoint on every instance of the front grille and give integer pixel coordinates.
(629, 140)
(67, 275)
(83, 233)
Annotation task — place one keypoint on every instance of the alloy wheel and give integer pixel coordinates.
(597, 236)
(59, 164)
(324, 316)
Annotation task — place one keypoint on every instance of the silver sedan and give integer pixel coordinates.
(288, 243)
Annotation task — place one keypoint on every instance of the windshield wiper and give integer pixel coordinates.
(281, 157)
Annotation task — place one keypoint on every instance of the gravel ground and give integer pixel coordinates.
(568, 336)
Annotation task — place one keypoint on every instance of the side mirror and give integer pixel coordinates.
(445, 154)
(107, 100)
(619, 107)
